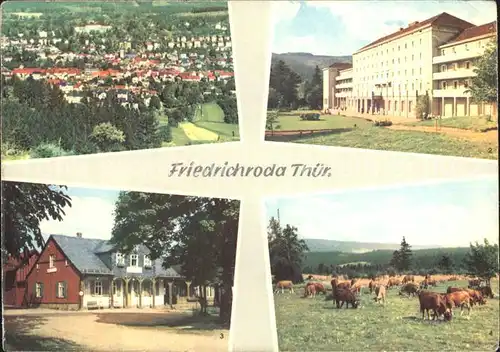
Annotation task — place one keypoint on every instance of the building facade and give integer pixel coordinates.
(388, 75)
(78, 273)
(14, 275)
(330, 74)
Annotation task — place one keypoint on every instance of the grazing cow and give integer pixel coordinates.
(310, 290)
(408, 278)
(320, 287)
(476, 296)
(282, 285)
(393, 283)
(380, 293)
(486, 291)
(427, 282)
(459, 299)
(371, 286)
(338, 284)
(341, 295)
(432, 301)
(409, 289)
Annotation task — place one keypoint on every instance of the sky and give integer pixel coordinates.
(91, 214)
(341, 27)
(450, 214)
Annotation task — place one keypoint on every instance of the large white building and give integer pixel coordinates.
(434, 57)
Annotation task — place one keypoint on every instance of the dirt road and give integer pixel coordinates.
(112, 332)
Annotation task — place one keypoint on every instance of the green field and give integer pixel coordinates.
(208, 126)
(290, 121)
(473, 123)
(367, 136)
(313, 324)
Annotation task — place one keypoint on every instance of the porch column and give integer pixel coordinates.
(111, 293)
(82, 289)
(188, 284)
(126, 294)
(170, 286)
(153, 282)
(454, 106)
(140, 291)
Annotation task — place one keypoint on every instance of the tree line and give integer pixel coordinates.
(199, 234)
(287, 90)
(478, 260)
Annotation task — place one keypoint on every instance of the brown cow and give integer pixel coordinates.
(310, 290)
(338, 284)
(380, 293)
(408, 278)
(371, 286)
(432, 301)
(474, 283)
(476, 296)
(284, 284)
(318, 287)
(393, 283)
(459, 299)
(341, 295)
(454, 289)
(409, 289)
(486, 291)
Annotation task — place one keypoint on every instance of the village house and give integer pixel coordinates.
(80, 273)
(14, 275)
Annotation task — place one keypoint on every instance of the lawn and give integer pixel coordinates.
(306, 324)
(210, 112)
(380, 138)
(221, 128)
(474, 123)
(291, 121)
(195, 133)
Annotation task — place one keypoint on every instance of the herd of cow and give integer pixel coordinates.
(440, 304)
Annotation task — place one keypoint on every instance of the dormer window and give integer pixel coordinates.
(120, 260)
(52, 259)
(147, 261)
(134, 260)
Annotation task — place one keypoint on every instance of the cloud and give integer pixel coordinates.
(92, 216)
(342, 27)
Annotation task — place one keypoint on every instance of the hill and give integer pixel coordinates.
(304, 63)
(319, 245)
(422, 258)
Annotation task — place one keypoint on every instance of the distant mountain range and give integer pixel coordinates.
(319, 245)
(304, 63)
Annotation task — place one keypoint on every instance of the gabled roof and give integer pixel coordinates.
(84, 255)
(476, 31)
(443, 20)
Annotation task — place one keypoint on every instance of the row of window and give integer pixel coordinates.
(456, 84)
(479, 45)
(387, 50)
(456, 66)
(394, 61)
(133, 260)
(61, 289)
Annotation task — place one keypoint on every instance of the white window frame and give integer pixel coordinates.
(120, 259)
(147, 261)
(443, 85)
(97, 284)
(38, 290)
(455, 85)
(61, 290)
(114, 289)
(136, 257)
(52, 259)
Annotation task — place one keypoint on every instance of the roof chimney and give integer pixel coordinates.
(412, 23)
(79, 234)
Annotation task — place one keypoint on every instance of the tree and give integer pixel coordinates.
(286, 251)
(285, 82)
(401, 259)
(482, 261)
(314, 90)
(272, 121)
(25, 205)
(423, 106)
(445, 263)
(107, 137)
(197, 233)
(484, 86)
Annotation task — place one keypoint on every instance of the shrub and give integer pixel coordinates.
(49, 150)
(383, 123)
(310, 117)
(423, 107)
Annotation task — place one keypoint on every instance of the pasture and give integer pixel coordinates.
(314, 324)
(415, 137)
